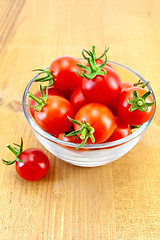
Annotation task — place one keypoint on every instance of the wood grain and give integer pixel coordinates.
(120, 200)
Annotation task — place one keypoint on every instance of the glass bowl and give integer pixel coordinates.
(91, 155)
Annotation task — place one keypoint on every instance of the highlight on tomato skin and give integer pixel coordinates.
(121, 130)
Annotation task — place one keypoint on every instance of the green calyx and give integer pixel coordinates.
(17, 151)
(141, 84)
(40, 102)
(48, 77)
(139, 102)
(85, 132)
(94, 53)
(93, 70)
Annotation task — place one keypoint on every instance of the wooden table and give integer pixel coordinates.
(120, 200)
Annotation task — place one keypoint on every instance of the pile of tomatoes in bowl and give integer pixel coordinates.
(89, 111)
(88, 103)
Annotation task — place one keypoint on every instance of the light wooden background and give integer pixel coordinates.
(120, 200)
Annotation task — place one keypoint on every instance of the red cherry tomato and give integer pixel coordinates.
(35, 166)
(114, 104)
(99, 117)
(121, 130)
(135, 117)
(31, 164)
(73, 139)
(65, 77)
(102, 89)
(51, 91)
(77, 99)
(53, 116)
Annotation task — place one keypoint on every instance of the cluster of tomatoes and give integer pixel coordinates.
(82, 104)
(88, 103)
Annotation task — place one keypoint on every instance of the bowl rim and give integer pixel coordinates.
(86, 146)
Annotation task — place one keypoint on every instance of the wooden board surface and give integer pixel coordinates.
(120, 200)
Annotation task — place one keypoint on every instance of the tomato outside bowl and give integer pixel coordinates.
(90, 155)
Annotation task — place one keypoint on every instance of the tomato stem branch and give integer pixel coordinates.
(139, 102)
(141, 84)
(40, 102)
(85, 132)
(93, 70)
(94, 53)
(16, 152)
(48, 77)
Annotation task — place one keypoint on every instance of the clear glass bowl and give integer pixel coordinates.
(91, 155)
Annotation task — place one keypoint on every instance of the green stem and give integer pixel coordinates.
(85, 51)
(45, 78)
(16, 152)
(40, 102)
(12, 149)
(139, 102)
(103, 54)
(141, 84)
(135, 127)
(85, 131)
(34, 98)
(93, 70)
(48, 77)
(82, 143)
(76, 122)
(94, 53)
(92, 138)
(92, 64)
(145, 95)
